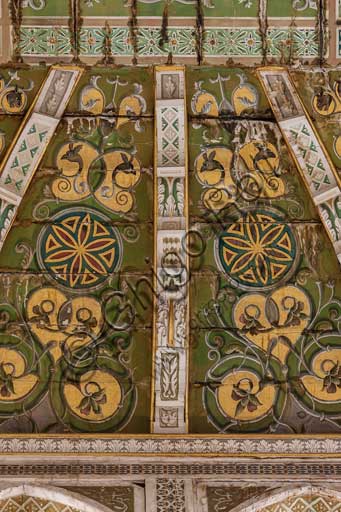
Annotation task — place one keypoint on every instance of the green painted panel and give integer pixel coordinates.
(37, 8)
(76, 312)
(292, 8)
(265, 282)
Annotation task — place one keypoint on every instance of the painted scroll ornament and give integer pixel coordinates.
(93, 101)
(213, 170)
(99, 396)
(257, 174)
(273, 322)
(62, 324)
(261, 177)
(24, 372)
(244, 97)
(36, 5)
(76, 160)
(327, 101)
(241, 395)
(318, 375)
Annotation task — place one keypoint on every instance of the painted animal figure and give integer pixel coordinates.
(263, 154)
(323, 100)
(127, 165)
(72, 155)
(210, 164)
(14, 98)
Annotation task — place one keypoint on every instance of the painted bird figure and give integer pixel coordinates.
(72, 155)
(90, 103)
(206, 108)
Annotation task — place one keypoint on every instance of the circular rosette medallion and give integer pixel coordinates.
(97, 396)
(241, 395)
(79, 249)
(257, 251)
(24, 372)
(316, 377)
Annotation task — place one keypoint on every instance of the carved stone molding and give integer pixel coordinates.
(237, 471)
(187, 445)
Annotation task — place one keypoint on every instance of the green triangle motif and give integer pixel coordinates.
(320, 165)
(15, 163)
(33, 151)
(23, 146)
(8, 179)
(32, 129)
(316, 185)
(305, 130)
(18, 184)
(25, 168)
(310, 169)
(42, 135)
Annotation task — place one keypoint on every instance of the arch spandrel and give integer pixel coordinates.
(46, 498)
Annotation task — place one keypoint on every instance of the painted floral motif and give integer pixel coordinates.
(78, 249)
(233, 42)
(258, 250)
(45, 41)
(227, 41)
(332, 381)
(92, 400)
(302, 42)
(244, 397)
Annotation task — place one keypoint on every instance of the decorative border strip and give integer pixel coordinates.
(184, 446)
(219, 41)
(45, 41)
(317, 170)
(171, 262)
(242, 470)
(338, 42)
(31, 141)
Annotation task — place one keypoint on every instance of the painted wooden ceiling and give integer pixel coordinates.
(77, 255)
(121, 185)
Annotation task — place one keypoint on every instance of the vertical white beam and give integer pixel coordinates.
(171, 260)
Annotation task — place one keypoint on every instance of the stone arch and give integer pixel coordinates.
(267, 502)
(45, 493)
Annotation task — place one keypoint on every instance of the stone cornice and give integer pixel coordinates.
(187, 445)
